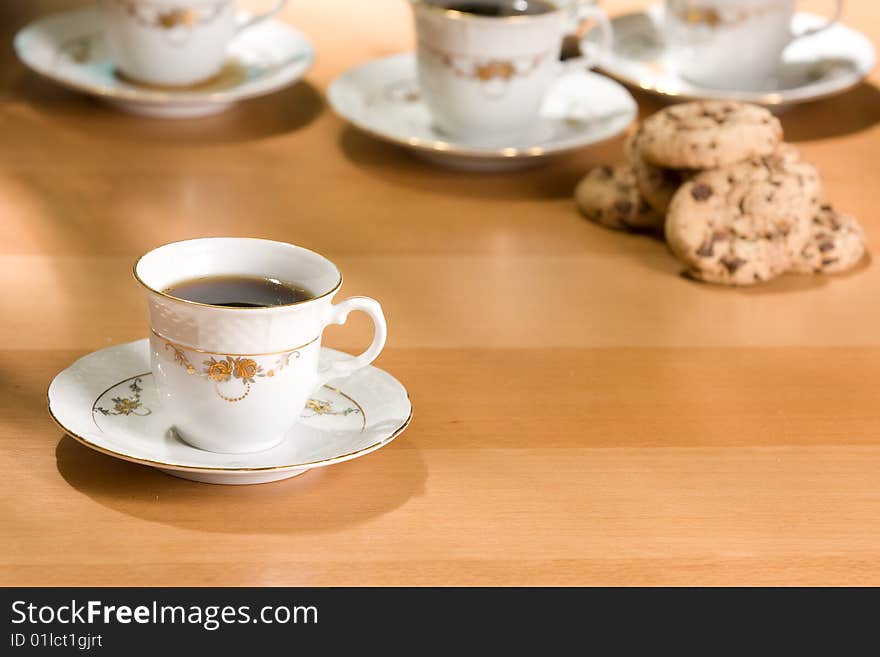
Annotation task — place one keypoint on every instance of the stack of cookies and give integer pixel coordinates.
(737, 205)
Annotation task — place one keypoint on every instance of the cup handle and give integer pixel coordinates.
(838, 9)
(259, 18)
(338, 315)
(581, 11)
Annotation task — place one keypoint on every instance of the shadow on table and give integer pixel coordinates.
(664, 262)
(793, 282)
(854, 111)
(552, 178)
(282, 112)
(321, 500)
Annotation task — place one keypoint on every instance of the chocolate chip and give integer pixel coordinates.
(826, 246)
(732, 263)
(707, 248)
(701, 191)
(826, 207)
(713, 144)
(607, 171)
(829, 261)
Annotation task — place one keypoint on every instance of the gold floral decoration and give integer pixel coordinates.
(319, 406)
(693, 13)
(177, 22)
(324, 407)
(246, 369)
(180, 357)
(127, 405)
(494, 69)
(224, 369)
(487, 70)
(175, 17)
(78, 50)
(698, 15)
(219, 370)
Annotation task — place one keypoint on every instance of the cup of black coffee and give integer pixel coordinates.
(235, 335)
(484, 66)
(239, 291)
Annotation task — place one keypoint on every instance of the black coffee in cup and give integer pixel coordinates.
(500, 8)
(237, 291)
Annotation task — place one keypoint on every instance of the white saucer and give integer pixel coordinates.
(813, 67)
(106, 400)
(381, 97)
(69, 48)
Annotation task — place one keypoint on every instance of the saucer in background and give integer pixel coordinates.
(814, 67)
(69, 48)
(382, 98)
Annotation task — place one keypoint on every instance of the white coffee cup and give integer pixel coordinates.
(236, 379)
(732, 44)
(484, 78)
(172, 42)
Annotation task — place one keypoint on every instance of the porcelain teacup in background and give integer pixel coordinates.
(732, 44)
(235, 380)
(484, 78)
(172, 42)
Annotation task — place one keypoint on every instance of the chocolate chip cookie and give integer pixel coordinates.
(656, 184)
(708, 134)
(836, 243)
(609, 196)
(744, 223)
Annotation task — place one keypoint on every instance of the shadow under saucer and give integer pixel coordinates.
(550, 178)
(323, 499)
(282, 112)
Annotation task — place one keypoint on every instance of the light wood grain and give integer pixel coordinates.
(583, 415)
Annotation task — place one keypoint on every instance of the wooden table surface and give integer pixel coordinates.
(583, 414)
